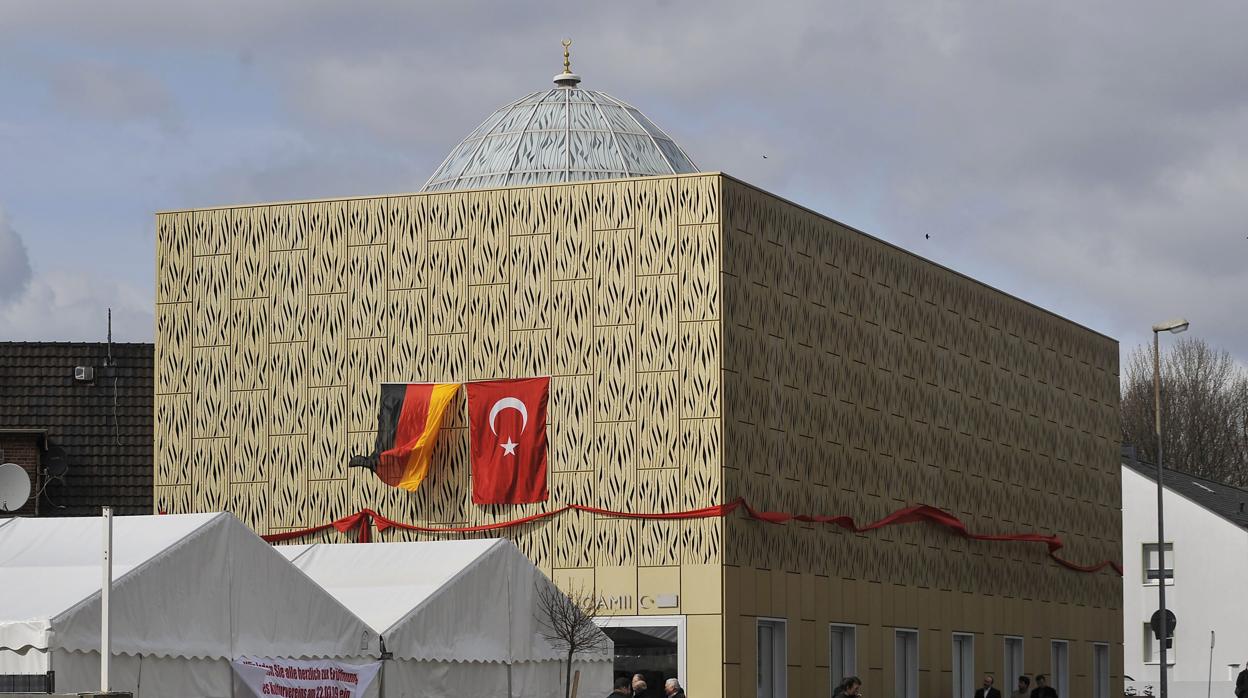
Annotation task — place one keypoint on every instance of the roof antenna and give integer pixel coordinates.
(109, 362)
(567, 78)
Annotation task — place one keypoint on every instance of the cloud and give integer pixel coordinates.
(66, 306)
(111, 92)
(14, 262)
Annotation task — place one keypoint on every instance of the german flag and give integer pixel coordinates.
(408, 420)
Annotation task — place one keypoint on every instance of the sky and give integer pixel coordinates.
(1091, 158)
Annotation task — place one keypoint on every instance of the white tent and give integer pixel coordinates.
(460, 618)
(190, 592)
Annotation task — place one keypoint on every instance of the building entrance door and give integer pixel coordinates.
(653, 646)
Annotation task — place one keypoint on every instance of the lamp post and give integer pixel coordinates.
(1175, 326)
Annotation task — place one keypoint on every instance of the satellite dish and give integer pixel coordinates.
(14, 487)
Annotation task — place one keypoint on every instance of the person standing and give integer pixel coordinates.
(622, 688)
(1043, 689)
(1241, 683)
(639, 685)
(988, 691)
(673, 689)
(1024, 687)
(850, 687)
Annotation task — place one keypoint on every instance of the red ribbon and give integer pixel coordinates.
(365, 519)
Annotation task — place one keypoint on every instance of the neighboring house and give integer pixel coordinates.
(85, 441)
(1206, 570)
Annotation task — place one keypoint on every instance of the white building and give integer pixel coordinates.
(1206, 570)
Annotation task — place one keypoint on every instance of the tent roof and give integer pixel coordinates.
(383, 582)
(49, 565)
(188, 585)
(469, 600)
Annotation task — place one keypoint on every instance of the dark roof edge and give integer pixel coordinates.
(1149, 470)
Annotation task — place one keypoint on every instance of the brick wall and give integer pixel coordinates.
(23, 450)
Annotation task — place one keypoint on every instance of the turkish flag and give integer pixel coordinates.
(507, 435)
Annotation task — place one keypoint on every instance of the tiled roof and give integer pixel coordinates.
(109, 453)
(1231, 503)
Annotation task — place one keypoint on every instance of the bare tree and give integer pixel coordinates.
(1204, 410)
(568, 622)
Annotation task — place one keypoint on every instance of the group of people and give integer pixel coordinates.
(636, 687)
(851, 686)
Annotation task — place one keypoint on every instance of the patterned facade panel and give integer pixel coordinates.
(530, 282)
(699, 272)
(612, 205)
(407, 350)
(327, 246)
(655, 209)
(658, 326)
(699, 200)
(366, 294)
(329, 499)
(173, 499)
(530, 353)
(615, 276)
(173, 347)
(571, 423)
(615, 542)
(448, 288)
(327, 339)
(658, 420)
(249, 501)
(288, 315)
(249, 350)
(211, 477)
(249, 437)
(616, 389)
(172, 442)
(488, 334)
(448, 358)
(249, 249)
(573, 329)
(327, 439)
(615, 462)
(367, 372)
(489, 246)
(700, 462)
(447, 484)
(210, 403)
(287, 229)
(406, 235)
(211, 234)
(699, 369)
(288, 493)
(368, 221)
(212, 301)
(572, 240)
(288, 371)
(173, 258)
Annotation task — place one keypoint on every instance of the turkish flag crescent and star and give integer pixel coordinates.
(507, 434)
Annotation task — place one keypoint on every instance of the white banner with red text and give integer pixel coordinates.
(304, 678)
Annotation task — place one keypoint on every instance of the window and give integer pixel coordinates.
(844, 652)
(1013, 663)
(1152, 651)
(772, 658)
(1100, 670)
(1059, 666)
(963, 664)
(1232, 672)
(906, 664)
(1151, 572)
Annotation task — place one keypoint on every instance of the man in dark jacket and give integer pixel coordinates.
(623, 687)
(673, 689)
(988, 691)
(1043, 689)
(1241, 683)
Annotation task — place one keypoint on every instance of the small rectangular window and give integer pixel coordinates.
(906, 663)
(1152, 572)
(843, 650)
(1100, 670)
(1059, 666)
(963, 664)
(1152, 650)
(772, 658)
(1013, 661)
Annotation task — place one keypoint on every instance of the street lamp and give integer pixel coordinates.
(1175, 326)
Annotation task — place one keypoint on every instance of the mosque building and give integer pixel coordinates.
(729, 373)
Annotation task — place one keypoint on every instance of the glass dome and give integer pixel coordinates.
(565, 134)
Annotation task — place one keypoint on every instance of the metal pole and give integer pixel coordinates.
(1161, 527)
(106, 586)
(1209, 681)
